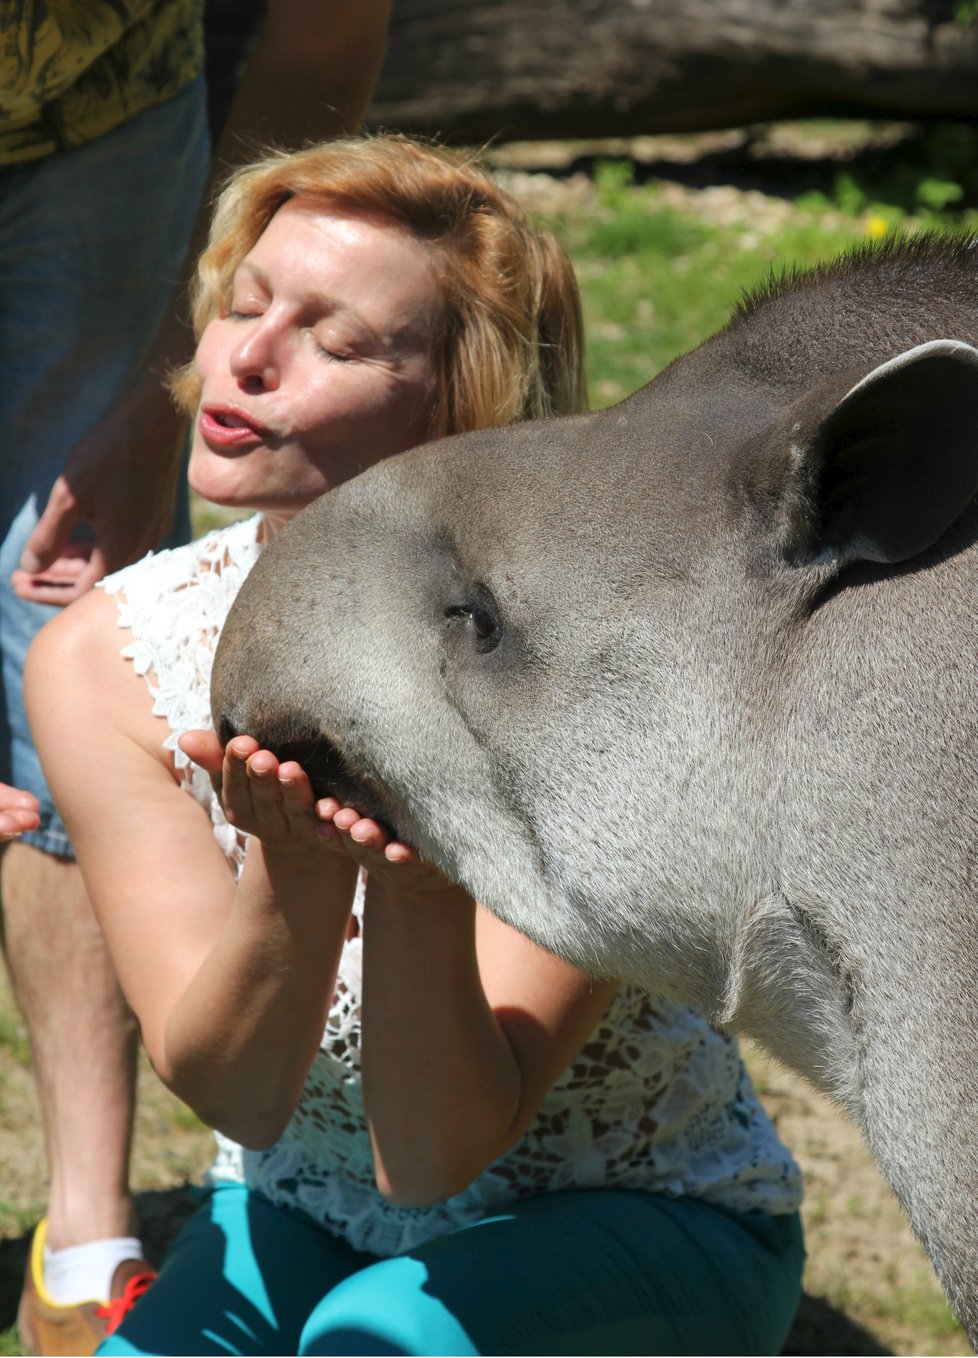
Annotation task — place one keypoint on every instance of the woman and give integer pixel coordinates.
(486, 1150)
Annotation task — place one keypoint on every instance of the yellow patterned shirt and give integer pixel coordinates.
(71, 70)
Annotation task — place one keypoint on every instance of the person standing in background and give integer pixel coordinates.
(105, 159)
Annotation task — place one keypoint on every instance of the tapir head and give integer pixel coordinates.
(561, 658)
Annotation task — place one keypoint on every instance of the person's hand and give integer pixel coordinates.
(275, 801)
(18, 812)
(261, 795)
(243, 770)
(366, 840)
(397, 865)
(121, 481)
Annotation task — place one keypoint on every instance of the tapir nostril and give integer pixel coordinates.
(330, 773)
(322, 761)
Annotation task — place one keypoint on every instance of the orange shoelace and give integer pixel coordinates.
(118, 1308)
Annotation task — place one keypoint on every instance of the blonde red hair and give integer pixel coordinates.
(509, 342)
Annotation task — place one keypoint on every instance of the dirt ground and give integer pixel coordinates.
(869, 1287)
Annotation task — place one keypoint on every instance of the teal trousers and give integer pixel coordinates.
(588, 1271)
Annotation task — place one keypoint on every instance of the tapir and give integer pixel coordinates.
(685, 689)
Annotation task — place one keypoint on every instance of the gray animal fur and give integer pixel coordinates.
(685, 690)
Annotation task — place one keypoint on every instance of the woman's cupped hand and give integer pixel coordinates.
(273, 800)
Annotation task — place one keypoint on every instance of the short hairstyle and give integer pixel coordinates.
(509, 344)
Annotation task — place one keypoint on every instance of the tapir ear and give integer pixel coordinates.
(895, 461)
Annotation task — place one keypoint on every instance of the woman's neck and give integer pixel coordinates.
(272, 523)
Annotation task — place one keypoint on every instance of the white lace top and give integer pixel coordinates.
(657, 1099)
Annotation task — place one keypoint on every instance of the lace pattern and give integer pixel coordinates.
(656, 1100)
(174, 604)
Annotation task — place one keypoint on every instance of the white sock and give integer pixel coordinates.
(84, 1272)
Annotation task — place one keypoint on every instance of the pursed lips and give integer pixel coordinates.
(224, 426)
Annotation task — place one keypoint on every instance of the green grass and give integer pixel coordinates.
(912, 1309)
(14, 1040)
(10, 1341)
(657, 280)
(206, 516)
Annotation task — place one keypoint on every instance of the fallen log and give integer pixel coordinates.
(524, 69)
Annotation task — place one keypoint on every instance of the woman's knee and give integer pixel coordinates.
(384, 1309)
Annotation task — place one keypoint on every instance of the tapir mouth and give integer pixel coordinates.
(326, 767)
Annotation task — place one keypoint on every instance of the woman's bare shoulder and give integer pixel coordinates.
(76, 661)
(85, 638)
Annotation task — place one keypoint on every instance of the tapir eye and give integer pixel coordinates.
(480, 613)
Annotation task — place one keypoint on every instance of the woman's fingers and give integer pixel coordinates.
(297, 796)
(363, 833)
(252, 796)
(396, 852)
(275, 801)
(204, 748)
(267, 798)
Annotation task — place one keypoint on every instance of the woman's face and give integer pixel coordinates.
(323, 365)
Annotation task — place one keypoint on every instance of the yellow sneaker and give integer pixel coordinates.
(47, 1328)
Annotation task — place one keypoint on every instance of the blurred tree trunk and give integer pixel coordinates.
(471, 70)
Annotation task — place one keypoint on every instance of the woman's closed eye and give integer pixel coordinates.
(246, 304)
(335, 355)
(336, 347)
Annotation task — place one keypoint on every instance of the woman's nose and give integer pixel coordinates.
(256, 358)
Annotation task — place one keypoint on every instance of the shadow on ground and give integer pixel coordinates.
(819, 1328)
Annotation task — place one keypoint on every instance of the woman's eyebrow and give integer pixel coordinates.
(311, 299)
(330, 306)
(254, 272)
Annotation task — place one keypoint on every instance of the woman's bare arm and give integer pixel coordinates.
(493, 1022)
(466, 1023)
(230, 983)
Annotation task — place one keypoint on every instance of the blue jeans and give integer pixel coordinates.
(91, 244)
(600, 1271)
